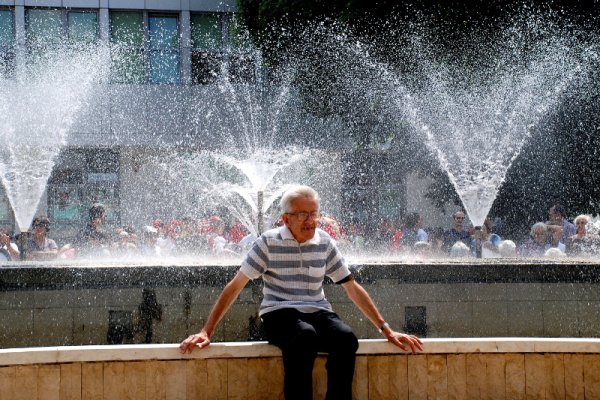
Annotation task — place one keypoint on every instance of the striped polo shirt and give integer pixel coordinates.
(293, 272)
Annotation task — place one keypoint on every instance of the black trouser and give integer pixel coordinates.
(300, 336)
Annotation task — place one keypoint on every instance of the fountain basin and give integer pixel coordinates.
(58, 305)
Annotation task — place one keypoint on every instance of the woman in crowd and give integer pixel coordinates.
(39, 246)
(582, 243)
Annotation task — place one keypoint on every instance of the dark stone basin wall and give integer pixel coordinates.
(50, 305)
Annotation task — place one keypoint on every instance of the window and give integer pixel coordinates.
(140, 55)
(53, 29)
(82, 27)
(242, 58)
(163, 34)
(128, 55)
(7, 39)
(207, 45)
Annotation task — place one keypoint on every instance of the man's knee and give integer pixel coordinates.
(305, 340)
(345, 341)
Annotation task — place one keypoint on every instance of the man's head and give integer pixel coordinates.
(413, 221)
(300, 212)
(97, 213)
(556, 213)
(41, 223)
(459, 219)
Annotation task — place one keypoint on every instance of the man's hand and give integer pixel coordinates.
(402, 339)
(200, 340)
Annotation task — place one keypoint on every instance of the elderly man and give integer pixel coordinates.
(457, 233)
(293, 260)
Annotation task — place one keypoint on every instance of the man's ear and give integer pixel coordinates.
(284, 218)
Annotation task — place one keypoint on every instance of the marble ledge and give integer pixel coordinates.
(102, 353)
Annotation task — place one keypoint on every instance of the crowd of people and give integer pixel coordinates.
(216, 235)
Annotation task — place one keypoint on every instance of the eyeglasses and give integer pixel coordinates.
(303, 216)
(460, 218)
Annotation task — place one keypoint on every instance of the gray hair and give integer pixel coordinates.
(297, 192)
(582, 216)
(537, 225)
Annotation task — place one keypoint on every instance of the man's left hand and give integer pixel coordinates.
(402, 340)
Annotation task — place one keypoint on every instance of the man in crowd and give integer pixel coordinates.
(558, 216)
(457, 233)
(293, 261)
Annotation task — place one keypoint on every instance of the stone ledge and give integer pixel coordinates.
(73, 354)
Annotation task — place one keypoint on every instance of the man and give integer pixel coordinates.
(293, 260)
(92, 240)
(40, 246)
(558, 216)
(457, 233)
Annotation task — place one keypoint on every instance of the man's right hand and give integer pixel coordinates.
(200, 340)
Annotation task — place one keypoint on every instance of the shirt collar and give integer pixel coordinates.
(286, 234)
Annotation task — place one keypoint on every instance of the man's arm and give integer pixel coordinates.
(225, 300)
(363, 301)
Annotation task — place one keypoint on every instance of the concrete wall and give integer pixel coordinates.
(73, 306)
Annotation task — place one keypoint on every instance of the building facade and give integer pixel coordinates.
(165, 57)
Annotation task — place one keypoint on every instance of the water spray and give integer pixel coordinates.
(260, 215)
(478, 238)
(23, 244)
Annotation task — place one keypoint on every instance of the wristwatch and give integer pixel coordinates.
(383, 326)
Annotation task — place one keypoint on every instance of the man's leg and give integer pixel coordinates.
(337, 339)
(297, 340)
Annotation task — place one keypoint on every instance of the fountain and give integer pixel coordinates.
(39, 106)
(247, 141)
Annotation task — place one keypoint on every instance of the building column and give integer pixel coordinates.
(186, 51)
(20, 40)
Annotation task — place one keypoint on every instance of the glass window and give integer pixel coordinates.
(207, 44)
(7, 30)
(44, 28)
(7, 35)
(206, 67)
(239, 38)
(163, 38)
(127, 28)
(127, 53)
(207, 31)
(82, 27)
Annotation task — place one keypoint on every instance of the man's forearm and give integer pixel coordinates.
(363, 301)
(227, 297)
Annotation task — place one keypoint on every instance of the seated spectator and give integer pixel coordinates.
(489, 241)
(537, 244)
(507, 249)
(413, 231)
(557, 215)
(555, 233)
(92, 241)
(39, 246)
(127, 242)
(581, 243)
(149, 244)
(457, 233)
(355, 236)
(9, 251)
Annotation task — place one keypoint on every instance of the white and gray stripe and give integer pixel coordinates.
(293, 272)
